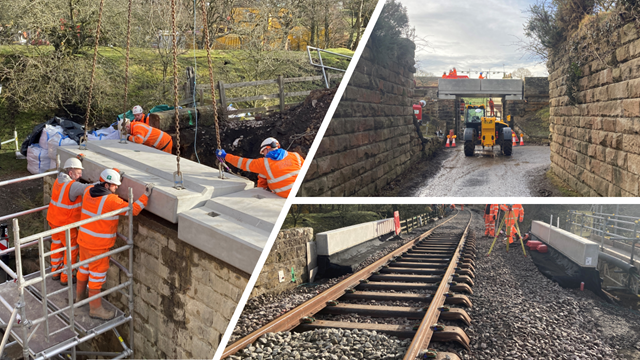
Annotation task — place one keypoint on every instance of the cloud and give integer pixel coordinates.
(476, 35)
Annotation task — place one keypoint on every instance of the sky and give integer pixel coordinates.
(471, 35)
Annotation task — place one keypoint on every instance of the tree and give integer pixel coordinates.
(521, 73)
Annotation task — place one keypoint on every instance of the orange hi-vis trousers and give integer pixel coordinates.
(58, 242)
(489, 225)
(95, 272)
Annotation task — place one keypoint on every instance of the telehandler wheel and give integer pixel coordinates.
(469, 148)
(507, 147)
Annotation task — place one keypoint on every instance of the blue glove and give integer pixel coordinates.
(221, 154)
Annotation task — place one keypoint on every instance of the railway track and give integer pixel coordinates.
(434, 270)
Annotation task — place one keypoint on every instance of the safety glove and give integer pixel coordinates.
(148, 189)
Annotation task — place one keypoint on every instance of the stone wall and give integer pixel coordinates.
(371, 138)
(595, 144)
(288, 251)
(184, 298)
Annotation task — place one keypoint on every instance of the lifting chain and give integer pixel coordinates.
(123, 130)
(205, 29)
(177, 176)
(83, 144)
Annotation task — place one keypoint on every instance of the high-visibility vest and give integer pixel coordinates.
(144, 120)
(150, 136)
(519, 211)
(101, 234)
(61, 210)
(510, 215)
(280, 174)
(494, 210)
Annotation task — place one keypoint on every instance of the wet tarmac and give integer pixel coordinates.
(482, 175)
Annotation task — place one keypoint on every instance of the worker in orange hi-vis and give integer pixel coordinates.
(96, 238)
(444, 74)
(481, 77)
(64, 209)
(455, 72)
(494, 216)
(512, 212)
(139, 116)
(150, 136)
(488, 219)
(491, 107)
(277, 171)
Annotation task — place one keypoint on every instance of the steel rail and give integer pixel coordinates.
(423, 336)
(292, 318)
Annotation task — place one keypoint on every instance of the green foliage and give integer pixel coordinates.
(387, 39)
(572, 82)
(542, 26)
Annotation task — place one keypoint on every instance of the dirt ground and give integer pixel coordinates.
(294, 128)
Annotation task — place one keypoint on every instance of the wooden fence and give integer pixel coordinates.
(415, 222)
(223, 101)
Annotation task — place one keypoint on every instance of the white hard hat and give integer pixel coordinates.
(137, 110)
(423, 103)
(271, 142)
(73, 163)
(110, 176)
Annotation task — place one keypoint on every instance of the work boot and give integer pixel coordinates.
(81, 290)
(64, 281)
(96, 310)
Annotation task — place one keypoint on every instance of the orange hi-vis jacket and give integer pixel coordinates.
(494, 210)
(101, 234)
(63, 211)
(145, 120)
(512, 216)
(280, 174)
(519, 211)
(150, 136)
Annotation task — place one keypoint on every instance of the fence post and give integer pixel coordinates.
(281, 86)
(223, 99)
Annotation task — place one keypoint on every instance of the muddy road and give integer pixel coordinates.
(461, 176)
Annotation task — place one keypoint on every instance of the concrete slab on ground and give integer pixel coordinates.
(334, 241)
(582, 251)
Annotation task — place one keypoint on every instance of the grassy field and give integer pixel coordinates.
(151, 78)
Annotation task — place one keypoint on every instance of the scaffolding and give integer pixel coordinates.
(39, 313)
(618, 235)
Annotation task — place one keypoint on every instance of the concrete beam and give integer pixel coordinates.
(512, 88)
(582, 251)
(226, 218)
(143, 164)
(334, 241)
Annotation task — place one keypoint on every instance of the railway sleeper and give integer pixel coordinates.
(452, 333)
(456, 314)
(436, 355)
(419, 271)
(411, 286)
(401, 331)
(451, 298)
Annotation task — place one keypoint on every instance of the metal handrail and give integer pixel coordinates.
(72, 225)
(21, 213)
(14, 140)
(23, 284)
(322, 65)
(30, 177)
